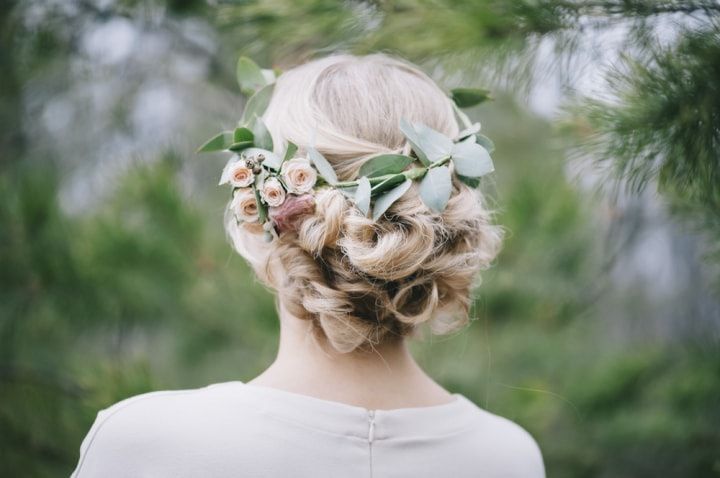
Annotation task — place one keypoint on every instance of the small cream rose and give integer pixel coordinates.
(273, 192)
(299, 175)
(238, 173)
(244, 205)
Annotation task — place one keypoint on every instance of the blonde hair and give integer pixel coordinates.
(358, 281)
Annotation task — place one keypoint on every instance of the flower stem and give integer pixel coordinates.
(413, 173)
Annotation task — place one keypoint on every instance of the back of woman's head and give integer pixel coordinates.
(361, 282)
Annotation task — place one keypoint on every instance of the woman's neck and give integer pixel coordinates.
(386, 377)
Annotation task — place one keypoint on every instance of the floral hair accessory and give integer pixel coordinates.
(274, 192)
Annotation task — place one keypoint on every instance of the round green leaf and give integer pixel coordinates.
(362, 195)
(262, 136)
(382, 203)
(485, 142)
(321, 164)
(269, 75)
(471, 159)
(384, 164)
(429, 145)
(387, 183)
(415, 141)
(469, 131)
(472, 182)
(242, 134)
(348, 191)
(467, 97)
(240, 146)
(435, 188)
(249, 76)
(290, 151)
(257, 104)
(219, 142)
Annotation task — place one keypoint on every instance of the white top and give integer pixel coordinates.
(233, 429)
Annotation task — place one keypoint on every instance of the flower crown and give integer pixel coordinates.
(273, 192)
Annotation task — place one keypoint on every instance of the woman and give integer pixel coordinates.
(344, 397)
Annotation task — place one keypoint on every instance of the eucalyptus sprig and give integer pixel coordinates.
(385, 178)
(257, 84)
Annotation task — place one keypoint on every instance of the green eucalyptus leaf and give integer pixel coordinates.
(242, 145)
(471, 159)
(467, 132)
(269, 159)
(467, 97)
(269, 75)
(348, 191)
(290, 151)
(242, 134)
(415, 141)
(429, 145)
(388, 183)
(382, 203)
(362, 195)
(435, 188)
(249, 76)
(321, 164)
(472, 182)
(435, 144)
(384, 164)
(257, 104)
(263, 139)
(463, 117)
(219, 142)
(485, 142)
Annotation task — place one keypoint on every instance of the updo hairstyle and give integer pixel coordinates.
(361, 282)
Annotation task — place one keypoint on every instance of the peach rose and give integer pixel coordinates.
(273, 192)
(237, 173)
(299, 175)
(288, 215)
(244, 205)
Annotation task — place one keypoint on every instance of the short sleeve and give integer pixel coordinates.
(507, 449)
(86, 444)
(524, 457)
(534, 460)
(110, 449)
(118, 442)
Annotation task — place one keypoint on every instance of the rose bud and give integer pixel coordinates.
(272, 192)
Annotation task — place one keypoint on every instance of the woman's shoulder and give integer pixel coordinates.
(146, 408)
(160, 422)
(168, 428)
(160, 399)
(505, 444)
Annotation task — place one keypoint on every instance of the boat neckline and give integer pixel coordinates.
(352, 420)
(457, 398)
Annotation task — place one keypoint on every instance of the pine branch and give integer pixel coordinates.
(634, 8)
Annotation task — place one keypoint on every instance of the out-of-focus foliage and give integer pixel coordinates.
(664, 125)
(116, 278)
(83, 298)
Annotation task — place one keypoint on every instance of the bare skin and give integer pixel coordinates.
(386, 378)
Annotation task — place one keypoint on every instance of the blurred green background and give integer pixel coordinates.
(598, 329)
